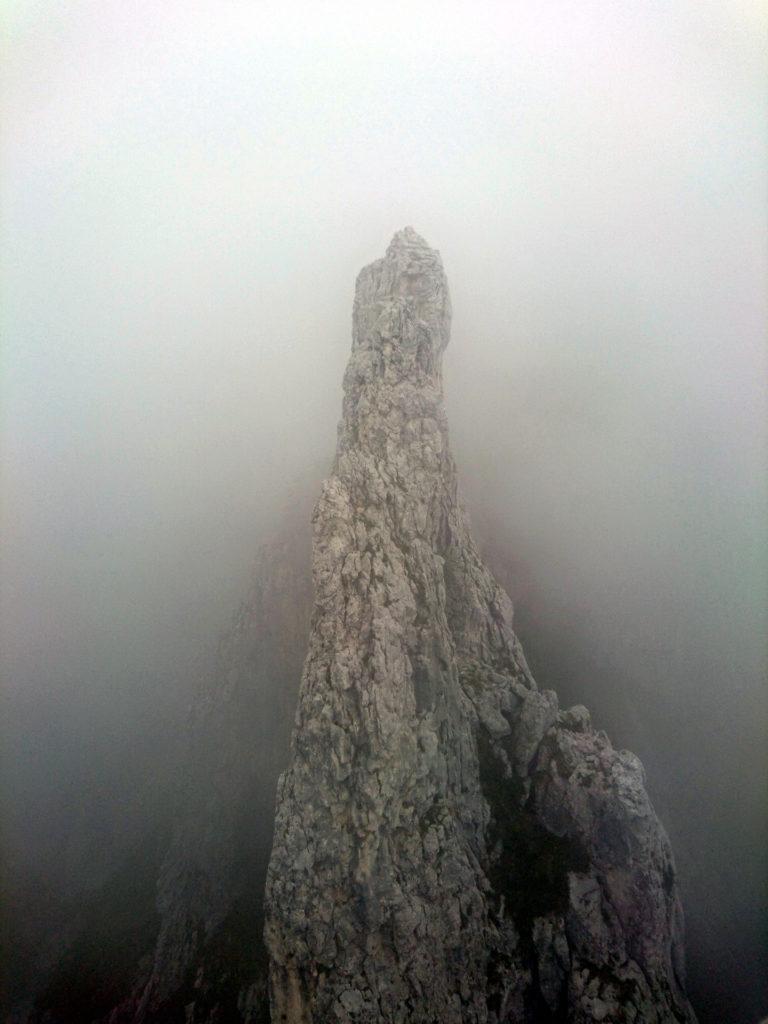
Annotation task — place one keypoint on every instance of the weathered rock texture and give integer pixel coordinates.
(449, 845)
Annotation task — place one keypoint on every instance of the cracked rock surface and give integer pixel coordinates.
(450, 846)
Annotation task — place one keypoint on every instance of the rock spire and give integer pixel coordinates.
(449, 845)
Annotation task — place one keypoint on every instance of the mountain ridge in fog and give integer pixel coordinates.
(187, 202)
(541, 625)
(276, 560)
(449, 843)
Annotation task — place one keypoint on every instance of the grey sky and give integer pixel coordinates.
(189, 191)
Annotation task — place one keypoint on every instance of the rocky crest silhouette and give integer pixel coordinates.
(448, 845)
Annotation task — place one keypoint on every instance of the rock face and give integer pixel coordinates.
(449, 845)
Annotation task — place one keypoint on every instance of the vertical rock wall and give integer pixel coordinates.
(449, 846)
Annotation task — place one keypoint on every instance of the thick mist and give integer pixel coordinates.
(188, 194)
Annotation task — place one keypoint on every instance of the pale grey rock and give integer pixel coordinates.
(449, 846)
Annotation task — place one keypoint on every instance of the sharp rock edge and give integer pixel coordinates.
(449, 845)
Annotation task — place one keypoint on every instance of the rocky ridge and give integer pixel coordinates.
(449, 844)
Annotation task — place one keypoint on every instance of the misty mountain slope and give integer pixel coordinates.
(208, 961)
(512, 794)
(449, 845)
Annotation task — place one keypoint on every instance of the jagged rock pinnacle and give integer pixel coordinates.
(449, 846)
(404, 296)
(407, 238)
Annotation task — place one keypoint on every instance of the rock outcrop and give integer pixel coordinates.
(449, 844)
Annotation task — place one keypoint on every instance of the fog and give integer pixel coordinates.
(189, 191)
